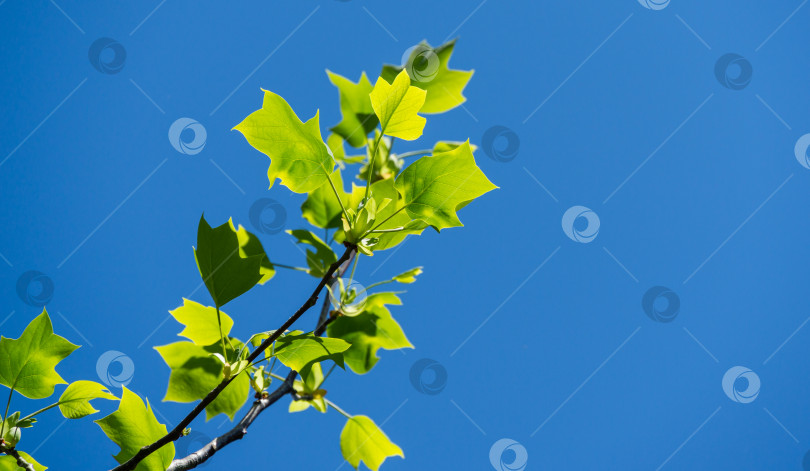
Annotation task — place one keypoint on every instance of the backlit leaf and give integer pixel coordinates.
(75, 400)
(358, 116)
(396, 105)
(297, 350)
(200, 322)
(362, 440)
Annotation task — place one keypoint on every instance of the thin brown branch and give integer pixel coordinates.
(177, 431)
(240, 430)
(20, 460)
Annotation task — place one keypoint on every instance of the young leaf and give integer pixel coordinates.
(396, 105)
(9, 463)
(322, 208)
(408, 276)
(195, 373)
(323, 257)
(392, 216)
(358, 116)
(28, 364)
(75, 400)
(312, 377)
(362, 440)
(134, 426)
(428, 70)
(225, 271)
(298, 156)
(447, 146)
(200, 322)
(433, 188)
(369, 331)
(297, 350)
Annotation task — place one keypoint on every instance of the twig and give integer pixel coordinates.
(240, 430)
(177, 431)
(20, 460)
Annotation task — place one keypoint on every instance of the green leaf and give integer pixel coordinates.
(392, 216)
(358, 116)
(408, 276)
(369, 331)
(396, 105)
(434, 188)
(335, 144)
(28, 364)
(298, 156)
(134, 426)
(428, 70)
(323, 257)
(9, 463)
(75, 400)
(225, 271)
(446, 146)
(312, 376)
(297, 350)
(321, 207)
(362, 440)
(250, 246)
(200, 322)
(195, 372)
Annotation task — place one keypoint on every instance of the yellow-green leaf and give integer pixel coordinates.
(75, 400)
(297, 350)
(434, 188)
(298, 156)
(362, 440)
(200, 322)
(358, 116)
(28, 364)
(322, 208)
(396, 105)
(134, 426)
(427, 67)
(9, 463)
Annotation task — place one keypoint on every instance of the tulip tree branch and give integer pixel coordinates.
(177, 431)
(20, 460)
(262, 401)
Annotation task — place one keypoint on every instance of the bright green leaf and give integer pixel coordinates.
(75, 400)
(200, 322)
(447, 146)
(225, 271)
(312, 377)
(392, 216)
(358, 116)
(298, 156)
(434, 188)
(323, 257)
(28, 364)
(428, 70)
(297, 350)
(134, 426)
(396, 105)
(408, 276)
(195, 372)
(9, 463)
(372, 329)
(362, 440)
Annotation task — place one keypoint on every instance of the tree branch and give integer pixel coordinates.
(177, 431)
(20, 460)
(240, 430)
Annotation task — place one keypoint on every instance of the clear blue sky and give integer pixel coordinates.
(690, 172)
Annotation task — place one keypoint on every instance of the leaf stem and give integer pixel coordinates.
(290, 267)
(374, 229)
(334, 190)
(222, 338)
(354, 267)
(414, 152)
(335, 406)
(5, 414)
(373, 159)
(39, 411)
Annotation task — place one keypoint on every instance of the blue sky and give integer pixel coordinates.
(687, 172)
